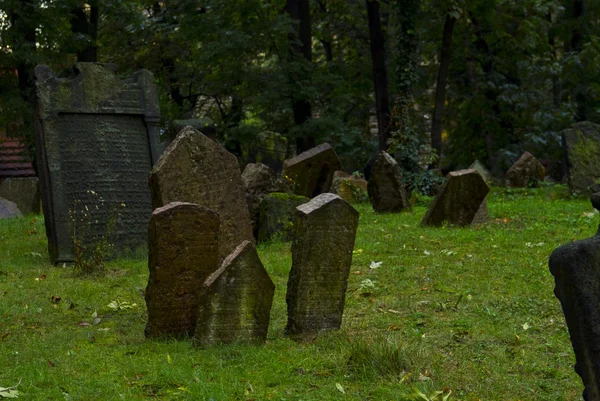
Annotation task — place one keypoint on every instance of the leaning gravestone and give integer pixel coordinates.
(576, 271)
(8, 209)
(235, 301)
(386, 189)
(276, 216)
(582, 145)
(269, 148)
(482, 170)
(325, 230)
(312, 171)
(183, 252)
(24, 191)
(526, 170)
(198, 170)
(95, 132)
(459, 200)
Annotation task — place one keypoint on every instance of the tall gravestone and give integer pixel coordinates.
(198, 170)
(235, 301)
(325, 230)
(183, 252)
(576, 271)
(582, 146)
(385, 187)
(459, 201)
(95, 132)
(312, 171)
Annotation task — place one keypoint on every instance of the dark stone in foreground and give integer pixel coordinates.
(95, 132)
(576, 271)
(322, 254)
(459, 200)
(386, 189)
(235, 301)
(183, 252)
(526, 170)
(25, 192)
(582, 145)
(8, 209)
(277, 212)
(312, 171)
(198, 170)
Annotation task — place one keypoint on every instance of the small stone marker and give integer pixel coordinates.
(582, 145)
(95, 132)
(25, 192)
(183, 252)
(576, 271)
(198, 170)
(235, 301)
(481, 169)
(386, 189)
(269, 148)
(459, 200)
(325, 231)
(525, 170)
(277, 212)
(8, 209)
(349, 187)
(312, 171)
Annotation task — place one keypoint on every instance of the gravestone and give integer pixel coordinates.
(582, 146)
(235, 301)
(204, 125)
(8, 209)
(459, 200)
(526, 170)
(576, 271)
(24, 191)
(349, 187)
(482, 170)
(386, 188)
(198, 170)
(95, 132)
(277, 212)
(183, 252)
(312, 171)
(269, 148)
(324, 234)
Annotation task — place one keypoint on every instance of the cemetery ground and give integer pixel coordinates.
(428, 310)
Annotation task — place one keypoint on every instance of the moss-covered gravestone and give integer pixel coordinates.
(96, 138)
(24, 191)
(349, 187)
(386, 188)
(269, 148)
(526, 171)
(183, 252)
(235, 301)
(459, 200)
(312, 171)
(324, 234)
(198, 170)
(582, 145)
(277, 212)
(576, 271)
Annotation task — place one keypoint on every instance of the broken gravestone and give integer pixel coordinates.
(386, 189)
(183, 252)
(24, 191)
(235, 301)
(576, 271)
(582, 145)
(198, 170)
(324, 234)
(312, 171)
(526, 170)
(8, 209)
(277, 212)
(459, 200)
(350, 188)
(95, 133)
(269, 148)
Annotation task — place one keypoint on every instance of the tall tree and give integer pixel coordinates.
(84, 27)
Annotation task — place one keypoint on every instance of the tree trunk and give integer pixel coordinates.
(81, 25)
(437, 124)
(577, 40)
(380, 78)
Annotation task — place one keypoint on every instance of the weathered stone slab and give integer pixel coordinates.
(235, 301)
(482, 170)
(325, 230)
(386, 188)
(526, 170)
(582, 146)
(183, 252)
(349, 187)
(459, 200)
(277, 212)
(576, 271)
(24, 191)
(8, 209)
(95, 132)
(312, 171)
(269, 148)
(198, 170)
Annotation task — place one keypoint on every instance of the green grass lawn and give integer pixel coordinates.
(467, 310)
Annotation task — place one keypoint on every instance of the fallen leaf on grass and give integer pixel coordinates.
(375, 265)
(340, 388)
(41, 277)
(9, 392)
(55, 299)
(83, 324)
(51, 364)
